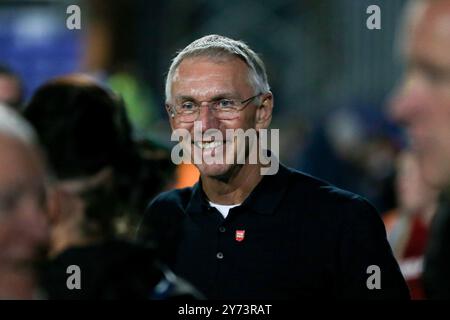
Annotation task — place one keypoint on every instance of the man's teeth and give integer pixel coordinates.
(209, 145)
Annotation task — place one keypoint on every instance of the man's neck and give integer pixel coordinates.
(236, 188)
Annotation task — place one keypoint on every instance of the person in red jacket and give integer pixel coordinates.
(422, 105)
(407, 225)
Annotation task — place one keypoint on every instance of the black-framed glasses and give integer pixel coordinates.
(223, 109)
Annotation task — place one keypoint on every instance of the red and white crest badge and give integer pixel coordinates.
(240, 235)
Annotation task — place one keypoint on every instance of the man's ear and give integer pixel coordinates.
(171, 115)
(264, 112)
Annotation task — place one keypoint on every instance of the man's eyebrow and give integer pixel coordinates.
(430, 67)
(224, 95)
(185, 98)
(218, 96)
(13, 186)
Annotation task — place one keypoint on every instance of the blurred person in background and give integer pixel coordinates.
(407, 225)
(157, 173)
(422, 105)
(112, 50)
(11, 91)
(95, 163)
(23, 223)
(362, 145)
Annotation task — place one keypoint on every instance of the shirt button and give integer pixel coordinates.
(219, 255)
(222, 229)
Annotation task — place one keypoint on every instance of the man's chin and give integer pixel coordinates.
(216, 171)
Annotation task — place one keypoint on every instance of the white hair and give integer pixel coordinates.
(219, 47)
(13, 125)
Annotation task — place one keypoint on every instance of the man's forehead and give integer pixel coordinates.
(427, 32)
(210, 76)
(210, 65)
(17, 158)
(432, 16)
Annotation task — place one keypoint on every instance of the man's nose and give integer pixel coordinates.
(207, 117)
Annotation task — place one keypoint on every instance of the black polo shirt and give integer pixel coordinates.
(293, 237)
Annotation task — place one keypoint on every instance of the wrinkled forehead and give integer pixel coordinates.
(205, 76)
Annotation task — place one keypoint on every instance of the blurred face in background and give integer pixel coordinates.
(23, 224)
(10, 90)
(422, 103)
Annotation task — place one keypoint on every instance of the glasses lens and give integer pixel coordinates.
(190, 117)
(225, 109)
(226, 114)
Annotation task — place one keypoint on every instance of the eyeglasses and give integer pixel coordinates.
(222, 109)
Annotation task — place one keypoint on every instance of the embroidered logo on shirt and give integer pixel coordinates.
(240, 234)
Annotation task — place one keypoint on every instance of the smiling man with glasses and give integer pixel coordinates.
(238, 234)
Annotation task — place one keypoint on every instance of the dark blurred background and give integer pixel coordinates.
(331, 76)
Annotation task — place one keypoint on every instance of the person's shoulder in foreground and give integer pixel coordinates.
(309, 239)
(112, 270)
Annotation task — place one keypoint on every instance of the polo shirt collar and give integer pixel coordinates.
(198, 201)
(264, 198)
